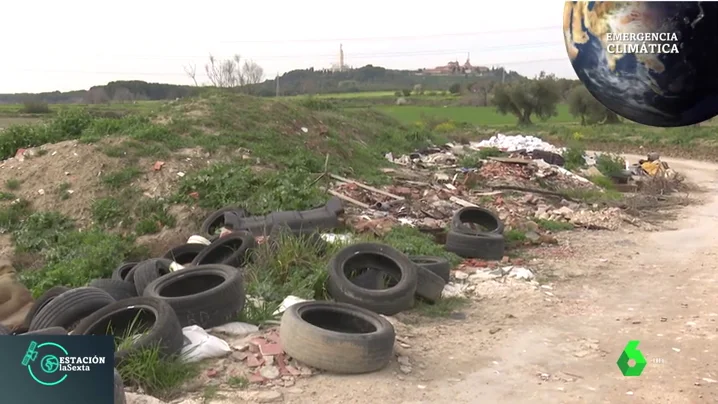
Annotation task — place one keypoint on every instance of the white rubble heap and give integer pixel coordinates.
(516, 142)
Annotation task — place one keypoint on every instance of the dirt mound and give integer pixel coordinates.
(68, 177)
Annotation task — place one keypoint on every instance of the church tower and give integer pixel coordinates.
(341, 58)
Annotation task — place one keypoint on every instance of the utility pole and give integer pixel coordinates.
(276, 80)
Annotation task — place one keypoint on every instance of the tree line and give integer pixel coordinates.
(539, 98)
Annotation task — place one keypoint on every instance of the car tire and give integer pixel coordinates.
(486, 246)
(373, 256)
(42, 301)
(122, 272)
(67, 309)
(475, 215)
(309, 334)
(153, 317)
(206, 295)
(119, 290)
(231, 250)
(184, 254)
(438, 265)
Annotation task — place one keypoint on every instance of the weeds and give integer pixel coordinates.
(553, 225)
(122, 178)
(73, 258)
(442, 308)
(288, 265)
(260, 192)
(13, 184)
(63, 190)
(411, 241)
(158, 376)
(41, 230)
(574, 156)
(610, 165)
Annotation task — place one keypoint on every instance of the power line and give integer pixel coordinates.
(305, 56)
(501, 64)
(404, 37)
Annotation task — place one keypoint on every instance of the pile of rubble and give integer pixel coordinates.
(526, 185)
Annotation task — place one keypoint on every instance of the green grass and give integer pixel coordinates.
(480, 116)
(156, 375)
(553, 225)
(363, 94)
(138, 106)
(443, 308)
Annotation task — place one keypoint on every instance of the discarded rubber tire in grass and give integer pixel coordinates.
(437, 265)
(42, 301)
(337, 337)
(206, 295)
(487, 246)
(4, 330)
(215, 220)
(151, 318)
(229, 250)
(119, 290)
(429, 285)
(47, 331)
(363, 256)
(122, 272)
(487, 220)
(69, 308)
(119, 389)
(184, 254)
(147, 271)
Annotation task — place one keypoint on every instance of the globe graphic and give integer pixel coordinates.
(674, 86)
(50, 364)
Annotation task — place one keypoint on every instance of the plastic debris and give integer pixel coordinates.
(199, 345)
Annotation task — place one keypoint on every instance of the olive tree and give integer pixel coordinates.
(526, 98)
(581, 104)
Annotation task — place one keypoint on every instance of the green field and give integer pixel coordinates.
(138, 106)
(479, 116)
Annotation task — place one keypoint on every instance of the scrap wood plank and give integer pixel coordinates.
(367, 187)
(349, 199)
(509, 160)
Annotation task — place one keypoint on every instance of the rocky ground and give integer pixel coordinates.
(554, 337)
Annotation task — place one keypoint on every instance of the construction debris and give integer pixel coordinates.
(523, 187)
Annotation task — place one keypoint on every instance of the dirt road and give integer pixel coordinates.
(561, 345)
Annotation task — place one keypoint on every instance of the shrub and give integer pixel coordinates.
(35, 107)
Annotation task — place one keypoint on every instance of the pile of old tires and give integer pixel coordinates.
(476, 233)
(366, 280)
(144, 304)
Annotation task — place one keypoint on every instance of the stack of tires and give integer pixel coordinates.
(367, 279)
(144, 304)
(476, 233)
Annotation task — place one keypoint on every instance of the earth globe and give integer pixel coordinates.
(655, 63)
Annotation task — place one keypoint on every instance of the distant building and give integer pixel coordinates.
(454, 68)
(340, 67)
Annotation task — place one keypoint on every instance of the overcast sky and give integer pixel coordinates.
(64, 45)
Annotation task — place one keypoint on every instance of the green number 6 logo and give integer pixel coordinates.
(631, 352)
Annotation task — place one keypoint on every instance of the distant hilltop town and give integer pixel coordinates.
(455, 68)
(449, 69)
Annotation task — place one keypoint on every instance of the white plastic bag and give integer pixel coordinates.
(198, 240)
(288, 302)
(200, 345)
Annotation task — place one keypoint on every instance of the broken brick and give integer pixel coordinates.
(194, 195)
(293, 371)
(270, 349)
(256, 378)
(253, 361)
(212, 373)
(158, 165)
